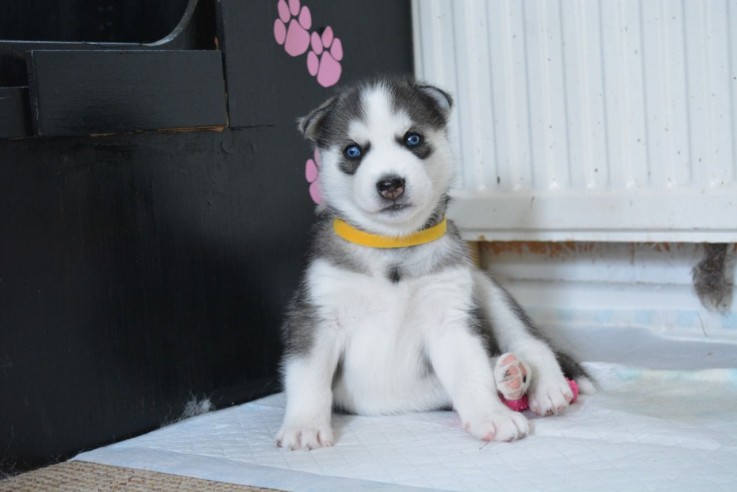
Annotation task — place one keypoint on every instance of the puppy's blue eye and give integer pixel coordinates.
(412, 139)
(353, 151)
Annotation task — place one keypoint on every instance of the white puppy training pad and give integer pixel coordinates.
(645, 430)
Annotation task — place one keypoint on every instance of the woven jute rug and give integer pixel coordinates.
(80, 476)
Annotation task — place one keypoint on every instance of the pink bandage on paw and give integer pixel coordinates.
(522, 404)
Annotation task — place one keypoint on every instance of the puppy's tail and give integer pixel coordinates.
(586, 385)
(573, 370)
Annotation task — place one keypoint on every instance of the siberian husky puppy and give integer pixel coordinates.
(392, 316)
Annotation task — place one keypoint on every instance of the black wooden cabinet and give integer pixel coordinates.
(77, 87)
(154, 215)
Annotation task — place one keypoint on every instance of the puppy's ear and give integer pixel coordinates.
(442, 99)
(309, 124)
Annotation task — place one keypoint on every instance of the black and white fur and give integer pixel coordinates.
(381, 331)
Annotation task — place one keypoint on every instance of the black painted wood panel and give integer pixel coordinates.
(93, 92)
(15, 121)
(376, 38)
(133, 21)
(140, 270)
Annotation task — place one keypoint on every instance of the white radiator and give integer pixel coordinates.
(610, 120)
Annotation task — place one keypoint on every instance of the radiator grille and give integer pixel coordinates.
(588, 120)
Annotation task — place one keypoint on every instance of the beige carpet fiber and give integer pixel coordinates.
(82, 476)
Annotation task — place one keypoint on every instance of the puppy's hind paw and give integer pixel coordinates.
(304, 438)
(512, 377)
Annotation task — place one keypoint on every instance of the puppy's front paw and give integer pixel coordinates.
(304, 437)
(500, 425)
(550, 395)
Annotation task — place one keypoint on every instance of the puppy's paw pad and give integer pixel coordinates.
(512, 376)
(551, 397)
(304, 438)
(498, 426)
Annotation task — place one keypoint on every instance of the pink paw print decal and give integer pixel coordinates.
(323, 60)
(312, 170)
(292, 30)
(291, 27)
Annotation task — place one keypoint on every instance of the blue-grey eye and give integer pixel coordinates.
(353, 151)
(412, 139)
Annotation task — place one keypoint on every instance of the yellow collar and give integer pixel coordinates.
(357, 236)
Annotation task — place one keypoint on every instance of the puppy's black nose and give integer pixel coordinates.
(390, 187)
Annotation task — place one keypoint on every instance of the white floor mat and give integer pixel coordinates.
(646, 430)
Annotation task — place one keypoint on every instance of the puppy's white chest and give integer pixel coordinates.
(384, 326)
(373, 315)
